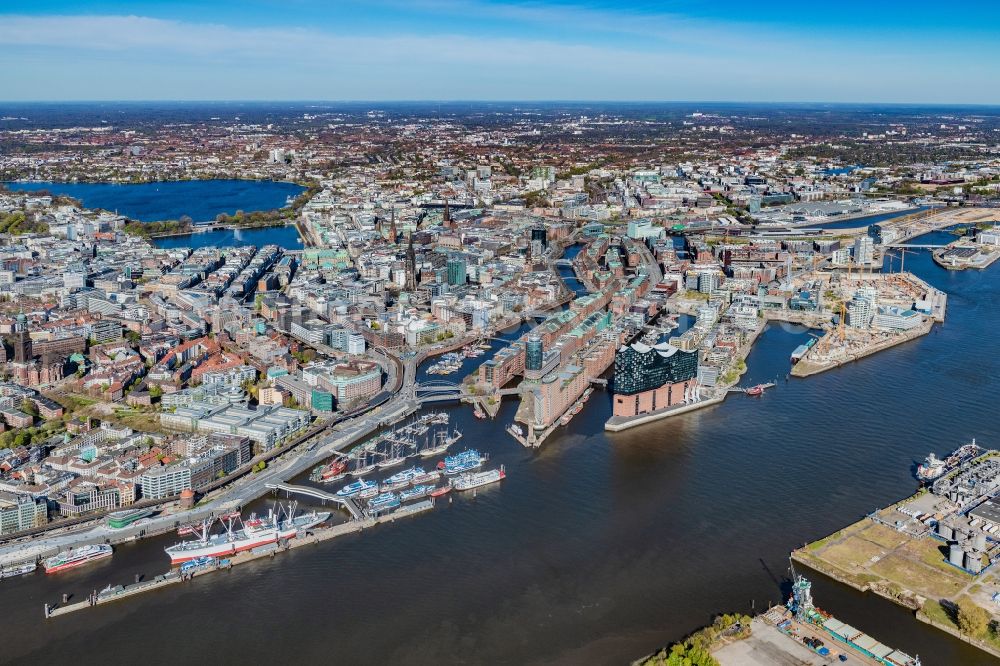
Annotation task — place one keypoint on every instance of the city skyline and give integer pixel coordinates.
(486, 50)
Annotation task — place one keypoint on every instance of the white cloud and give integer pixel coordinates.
(93, 56)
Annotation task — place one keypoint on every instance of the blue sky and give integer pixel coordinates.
(848, 51)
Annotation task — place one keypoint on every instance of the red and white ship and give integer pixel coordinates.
(75, 557)
(254, 532)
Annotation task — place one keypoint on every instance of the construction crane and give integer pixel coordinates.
(841, 332)
(902, 258)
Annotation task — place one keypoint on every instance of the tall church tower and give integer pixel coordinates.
(411, 264)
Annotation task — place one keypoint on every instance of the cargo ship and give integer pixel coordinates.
(120, 519)
(801, 604)
(472, 480)
(934, 467)
(77, 557)
(278, 525)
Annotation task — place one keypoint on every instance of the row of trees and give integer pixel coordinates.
(696, 649)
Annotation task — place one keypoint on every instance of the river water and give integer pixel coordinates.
(596, 549)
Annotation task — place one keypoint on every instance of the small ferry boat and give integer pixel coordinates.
(755, 390)
(355, 487)
(18, 570)
(110, 591)
(466, 461)
(383, 502)
(371, 491)
(402, 479)
(198, 564)
(415, 492)
(76, 557)
(427, 477)
(478, 479)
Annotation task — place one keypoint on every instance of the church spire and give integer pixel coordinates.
(411, 264)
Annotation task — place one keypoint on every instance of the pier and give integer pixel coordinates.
(174, 576)
(316, 493)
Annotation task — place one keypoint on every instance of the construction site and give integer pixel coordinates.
(867, 313)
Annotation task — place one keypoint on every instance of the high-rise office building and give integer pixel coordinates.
(456, 271)
(864, 250)
(533, 353)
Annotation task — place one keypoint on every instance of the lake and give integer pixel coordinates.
(286, 237)
(201, 200)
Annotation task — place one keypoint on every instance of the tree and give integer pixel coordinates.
(973, 620)
(29, 407)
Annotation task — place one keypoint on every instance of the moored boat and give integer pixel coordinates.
(427, 477)
(383, 502)
(356, 487)
(76, 557)
(415, 492)
(465, 461)
(932, 468)
(472, 480)
(276, 526)
(17, 570)
(440, 490)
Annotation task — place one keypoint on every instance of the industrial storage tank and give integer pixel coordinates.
(974, 561)
(945, 531)
(955, 554)
(979, 541)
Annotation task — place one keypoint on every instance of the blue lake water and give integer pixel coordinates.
(286, 237)
(201, 200)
